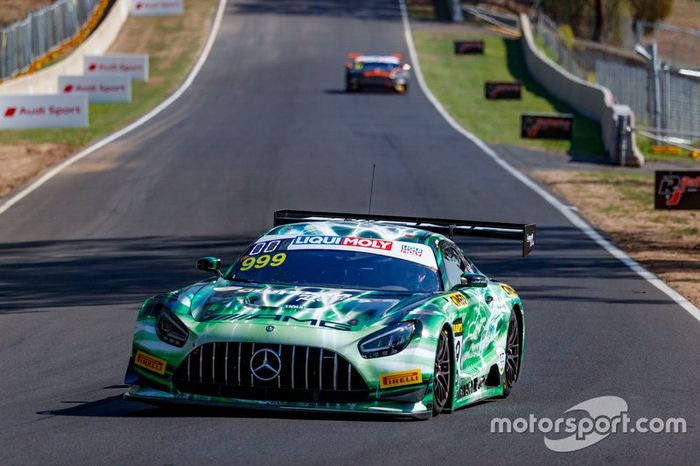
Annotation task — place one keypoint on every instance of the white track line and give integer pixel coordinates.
(556, 203)
(141, 121)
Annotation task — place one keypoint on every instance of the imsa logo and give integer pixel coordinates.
(399, 379)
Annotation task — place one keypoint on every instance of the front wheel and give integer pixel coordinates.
(442, 379)
(513, 346)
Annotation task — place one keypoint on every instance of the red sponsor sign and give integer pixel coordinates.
(108, 88)
(133, 65)
(157, 7)
(367, 243)
(43, 111)
(677, 190)
(546, 126)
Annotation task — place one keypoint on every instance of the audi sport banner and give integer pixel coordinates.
(157, 7)
(546, 126)
(468, 47)
(502, 90)
(134, 65)
(44, 111)
(678, 190)
(109, 88)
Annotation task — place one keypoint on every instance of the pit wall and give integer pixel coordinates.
(590, 100)
(45, 81)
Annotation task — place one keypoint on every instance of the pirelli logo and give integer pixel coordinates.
(151, 363)
(399, 379)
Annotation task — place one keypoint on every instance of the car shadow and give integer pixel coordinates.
(377, 91)
(117, 407)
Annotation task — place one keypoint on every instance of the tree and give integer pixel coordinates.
(650, 10)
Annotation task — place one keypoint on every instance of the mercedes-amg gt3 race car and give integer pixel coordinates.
(376, 72)
(341, 313)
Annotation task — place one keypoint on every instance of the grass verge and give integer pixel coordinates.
(173, 44)
(458, 82)
(622, 205)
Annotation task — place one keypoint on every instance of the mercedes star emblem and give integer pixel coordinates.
(265, 364)
(270, 328)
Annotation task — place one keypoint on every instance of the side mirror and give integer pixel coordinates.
(474, 280)
(210, 264)
(406, 67)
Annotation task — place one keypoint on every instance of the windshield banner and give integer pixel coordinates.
(413, 252)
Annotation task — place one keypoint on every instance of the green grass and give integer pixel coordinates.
(458, 82)
(644, 144)
(632, 186)
(167, 71)
(689, 231)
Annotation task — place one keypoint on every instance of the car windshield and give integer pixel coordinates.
(370, 66)
(342, 262)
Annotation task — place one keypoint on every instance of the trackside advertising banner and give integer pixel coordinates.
(677, 190)
(469, 47)
(157, 7)
(115, 88)
(545, 126)
(134, 65)
(44, 111)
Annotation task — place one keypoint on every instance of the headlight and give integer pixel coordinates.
(387, 341)
(170, 329)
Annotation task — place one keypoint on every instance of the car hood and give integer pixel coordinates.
(349, 310)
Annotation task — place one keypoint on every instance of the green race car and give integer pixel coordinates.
(341, 313)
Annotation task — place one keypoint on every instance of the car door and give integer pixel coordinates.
(470, 322)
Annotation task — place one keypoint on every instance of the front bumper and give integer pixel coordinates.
(162, 382)
(377, 82)
(158, 397)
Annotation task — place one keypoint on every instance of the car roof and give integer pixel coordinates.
(359, 229)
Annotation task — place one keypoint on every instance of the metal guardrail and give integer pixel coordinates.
(492, 17)
(22, 42)
(676, 103)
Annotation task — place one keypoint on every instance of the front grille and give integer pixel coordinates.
(307, 374)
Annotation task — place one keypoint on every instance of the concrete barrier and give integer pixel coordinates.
(45, 81)
(591, 100)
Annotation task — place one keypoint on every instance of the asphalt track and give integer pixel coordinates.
(266, 125)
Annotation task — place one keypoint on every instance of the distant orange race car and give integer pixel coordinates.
(376, 72)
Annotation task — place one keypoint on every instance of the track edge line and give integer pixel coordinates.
(194, 72)
(575, 219)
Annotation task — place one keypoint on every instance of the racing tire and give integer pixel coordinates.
(442, 374)
(513, 354)
(401, 89)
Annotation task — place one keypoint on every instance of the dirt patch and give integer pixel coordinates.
(621, 205)
(173, 44)
(21, 163)
(15, 10)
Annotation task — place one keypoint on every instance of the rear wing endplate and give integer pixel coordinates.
(450, 228)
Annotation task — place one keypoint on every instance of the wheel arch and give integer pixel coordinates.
(449, 406)
(517, 308)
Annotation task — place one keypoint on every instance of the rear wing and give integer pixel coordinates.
(354, 55)
(450, 228)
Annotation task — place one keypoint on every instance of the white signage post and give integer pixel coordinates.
(134, 65)
(157, 7)
(108, 88)
(44, 111)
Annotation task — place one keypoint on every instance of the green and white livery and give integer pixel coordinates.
(340, 313)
